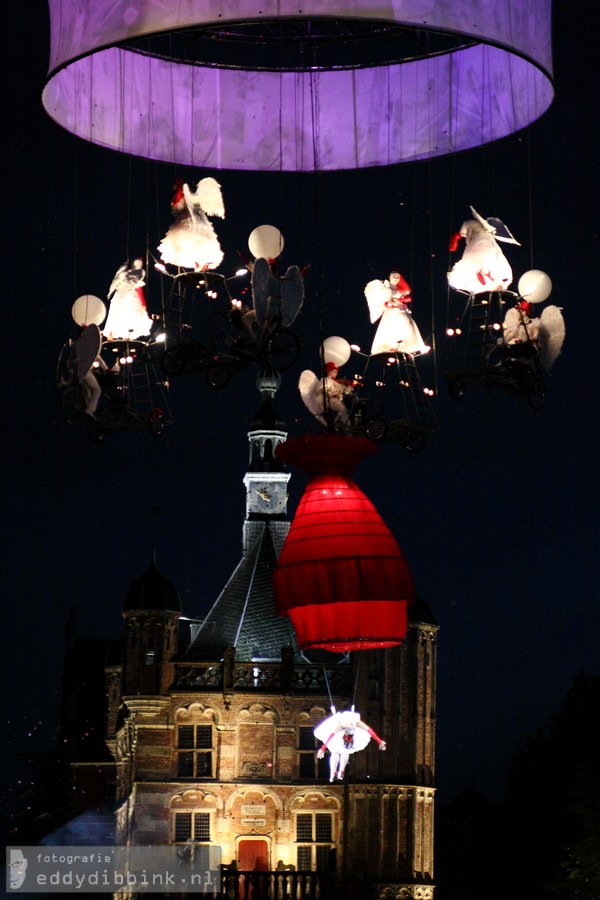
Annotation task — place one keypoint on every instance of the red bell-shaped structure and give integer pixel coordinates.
(340, 577)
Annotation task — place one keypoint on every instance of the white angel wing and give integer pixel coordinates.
(495, 226)
(127, 277)
(319, 400)
(119, 279)
(483, 222)
(207, 196)
(377, 292)
(311, 391)
(551, 335)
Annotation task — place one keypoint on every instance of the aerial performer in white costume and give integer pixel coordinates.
(343, 733)
(483, 266)
(525, 336)
(397, 331)
(191, 241)
(328, 397)
(127, 314)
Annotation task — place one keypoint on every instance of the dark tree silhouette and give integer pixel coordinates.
(550, 818)
(543, 841)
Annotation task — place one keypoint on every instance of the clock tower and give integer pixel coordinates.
(265, 481)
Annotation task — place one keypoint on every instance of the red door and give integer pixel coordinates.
(253, 856)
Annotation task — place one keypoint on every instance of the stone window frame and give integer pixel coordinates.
(201, 750)
(318, 848)
(200, 826)
(307, 746)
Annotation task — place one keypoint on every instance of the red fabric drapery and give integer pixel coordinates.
(340, 577)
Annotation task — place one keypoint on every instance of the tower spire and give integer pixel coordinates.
(266, 481)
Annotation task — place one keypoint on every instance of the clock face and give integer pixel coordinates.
(268, 496)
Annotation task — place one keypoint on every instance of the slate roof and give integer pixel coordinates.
(419, 613)
(152, 591)
(244, 614)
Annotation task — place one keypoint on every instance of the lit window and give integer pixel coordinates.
(194, 825)
(304, 827)
(314, 837)
(195, 759)
(304, 858)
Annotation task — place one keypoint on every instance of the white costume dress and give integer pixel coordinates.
(397, 331)
(191, 241)
(483, 266)
(127, 314)
(343, 733)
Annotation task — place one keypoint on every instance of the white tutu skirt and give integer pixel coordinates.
(340, 721)
(191, 244)
(127, 317)
(398, 333)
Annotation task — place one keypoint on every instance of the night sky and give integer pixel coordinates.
(497, 515)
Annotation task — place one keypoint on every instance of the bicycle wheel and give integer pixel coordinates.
(456, 386)
(412, 441)
(376, 428)
(65, 367)
(173, 361)
(283, 349)
(537, 395)
(218, 376)
(156, 422)
(72, 405)
(526, 380)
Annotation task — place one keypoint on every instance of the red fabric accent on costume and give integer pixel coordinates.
(328, 739)
(403, 286)
(178, 198)
(141, 296)
(452, 246)
(374, 736)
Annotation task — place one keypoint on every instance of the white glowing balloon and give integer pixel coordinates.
(88, 310)
(266, 241)
(534, 286)
(337, 350)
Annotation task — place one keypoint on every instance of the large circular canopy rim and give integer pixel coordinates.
(207, 116)
(137, 45)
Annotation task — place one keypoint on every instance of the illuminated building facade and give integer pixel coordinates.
(212, 733)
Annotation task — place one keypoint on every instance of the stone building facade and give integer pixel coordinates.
(212, 732)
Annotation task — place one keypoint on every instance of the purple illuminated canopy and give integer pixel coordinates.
(111, 82)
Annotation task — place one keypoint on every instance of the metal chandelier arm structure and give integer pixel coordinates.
(491, 77)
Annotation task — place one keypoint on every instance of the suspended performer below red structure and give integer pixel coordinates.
(341, 576)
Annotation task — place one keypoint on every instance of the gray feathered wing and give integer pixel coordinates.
(275, 297)
(551, 335)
